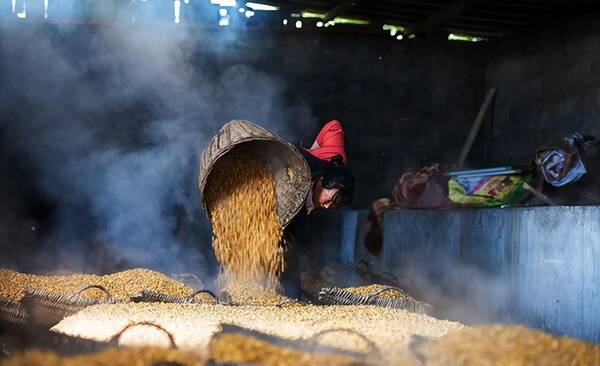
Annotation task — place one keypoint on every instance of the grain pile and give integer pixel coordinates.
(252, 294)
(133, 356)
(121, 285)
(311, 283)
(499, 345)
(238, 348)
(193, 325)
(373, 289)
(240, 195)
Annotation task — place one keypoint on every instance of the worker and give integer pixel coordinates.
(332, 185)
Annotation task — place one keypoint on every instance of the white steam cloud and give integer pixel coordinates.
(109, 120)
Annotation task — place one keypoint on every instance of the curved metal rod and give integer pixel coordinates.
(374, 349)
(117, 336)
(191, 297)
(78, 292)
(189, 275)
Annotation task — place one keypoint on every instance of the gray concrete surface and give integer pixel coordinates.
(539, 266)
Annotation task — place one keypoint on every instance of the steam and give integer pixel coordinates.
(460, 292)
(110, 120)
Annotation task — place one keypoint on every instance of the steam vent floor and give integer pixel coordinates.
(192, 325)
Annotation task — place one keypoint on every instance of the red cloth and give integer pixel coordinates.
(329, 142)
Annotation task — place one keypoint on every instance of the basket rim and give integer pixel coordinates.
(204, 172)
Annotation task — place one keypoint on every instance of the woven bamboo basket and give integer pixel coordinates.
(288, 166)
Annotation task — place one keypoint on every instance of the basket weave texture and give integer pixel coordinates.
(289, 168)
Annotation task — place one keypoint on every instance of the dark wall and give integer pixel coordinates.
(402, 104)
(95, 130)
(548, 85)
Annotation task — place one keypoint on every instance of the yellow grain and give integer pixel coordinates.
(238, 348)
(128, 356)
(121, 285)
(499, 345)
(241, 199)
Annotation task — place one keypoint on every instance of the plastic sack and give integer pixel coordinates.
(560, 162)
(490, 191)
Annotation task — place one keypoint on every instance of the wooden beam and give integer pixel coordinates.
(478, 10)
(488, 20)
(475, 128)
(476, 27)
(472, 32)
(440, 17)
(399, 8)
(519, 4)
(343, 7)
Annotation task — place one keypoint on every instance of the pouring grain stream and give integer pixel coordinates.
(241, 199)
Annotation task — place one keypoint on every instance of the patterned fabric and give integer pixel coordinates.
(422, 188)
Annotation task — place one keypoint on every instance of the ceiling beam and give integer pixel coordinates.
(472, 32)
(487, 27)
(343, 7)
(487, 20)
(519, 4)
(476, 11)
(435, 19)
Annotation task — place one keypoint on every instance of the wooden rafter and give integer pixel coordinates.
(455, 8)
(341, 8)
(486, 18)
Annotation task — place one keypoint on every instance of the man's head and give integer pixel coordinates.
(334, 187)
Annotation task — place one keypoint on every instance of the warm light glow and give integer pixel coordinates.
(224, 21)
(223, 17)
(393, 29)
(224, 3)
(23, 13)
(464, 38)
(310, 15)
(342, 20)
(261, 7)
(177, 10)
(336, 20)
